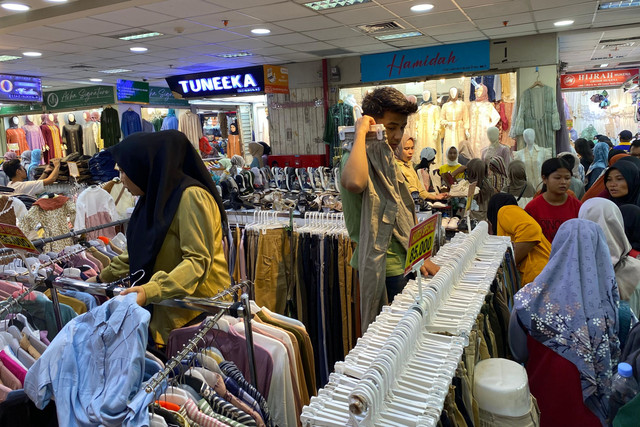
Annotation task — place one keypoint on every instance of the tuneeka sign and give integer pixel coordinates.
(598, 79)
(426, 61)
(223, 82)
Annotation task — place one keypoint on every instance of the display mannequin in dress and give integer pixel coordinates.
(455, 119)
(16, 137)
(72, 135)
(533, 156)
(495, 149)
(428, 128)
(33, 133)
(483, 115)
(14, 122)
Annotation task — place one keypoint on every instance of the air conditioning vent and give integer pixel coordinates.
(381, 27)
(621, 40)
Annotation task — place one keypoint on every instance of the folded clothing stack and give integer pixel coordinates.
(102, 167)
(63, 176)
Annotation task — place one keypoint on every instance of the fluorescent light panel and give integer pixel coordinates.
(16, 7)
(331, 4)
(115, 71)
(234, 55)
(399, 36)
(604, 65)
(4, 58)
(138, 36)
(619, 4)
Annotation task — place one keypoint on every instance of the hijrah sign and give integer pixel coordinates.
(83, 97)
(223, 82)
(426, 61)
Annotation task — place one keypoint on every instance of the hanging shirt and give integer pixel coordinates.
(131, 123)
(17, 140)
(34, 136)
(95, 207)
(169, 122)
(551, 217)
(189, 124)
(109, 127)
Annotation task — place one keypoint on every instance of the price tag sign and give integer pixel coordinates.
(470, 194)
(421, 242)
(73, 169)
(12, 237)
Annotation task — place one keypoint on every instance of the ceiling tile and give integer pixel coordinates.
(242, 4)
(179, 27)
(134, 17)
(506, 8)
(91, 26)
(404, 8)
(48, 33)
(246, 30)
(550, 4)
(333, 33)
(310, 47)
(432, 19)
(63, 47)
(413, 42)
(184, 8)
(170, 53)
(234, 19)
(358, 41)
(245, 44)
(205, 49)
(215, 36)
(498, 22)
(461, 37)
(362, 15)
(276, 50)
(443, 29)
(564, 12)
(171, 42)
(99, 42)
(298, 56)
(287, 39)
(308, 24)
(8, 41)
(371, 48)
(510, 30)
(279, 11)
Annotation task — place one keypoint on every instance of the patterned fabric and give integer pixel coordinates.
(53, 222)
(199, 417)
(231, 371)
(498, 173)
(572, 308)
(204, 406)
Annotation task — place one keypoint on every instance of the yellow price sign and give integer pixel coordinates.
(421, 242)
(12, 237)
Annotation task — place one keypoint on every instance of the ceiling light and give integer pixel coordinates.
(399, 36)
(138, 49)
(563, 23)
(619, 4)
(260, 31)
(330, 4)
(57, 1)
(234, 55)
(138, 36)
(115, 71)
(4, 58)
(424, 7)
(32, 54)
(604, 65)
(95, 80)
(45, 87)
(16, 7)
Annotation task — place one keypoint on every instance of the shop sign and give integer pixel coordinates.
(241, 81)
(132, 92)
(426, 61)
(421, 242)
(83, 97)
(20, 88)
(164, 97)
(14, 110)
(12, 237)
(597, 79)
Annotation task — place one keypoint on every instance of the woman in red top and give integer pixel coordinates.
(554, 206)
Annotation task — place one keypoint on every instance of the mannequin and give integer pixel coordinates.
(483, 115)
(54, 141)
(455, 119)
(16, 137)
(427, 128)
(533, 156)
(72, 135)
(357, 110)
(495, 148)
(34, 134)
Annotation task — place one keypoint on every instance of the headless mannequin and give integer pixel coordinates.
(495, 148)
(428, 128)
(455, 119)
(533, 156)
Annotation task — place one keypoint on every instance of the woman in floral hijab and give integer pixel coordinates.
(569, 314)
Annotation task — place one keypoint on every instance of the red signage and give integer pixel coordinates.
(598, 79)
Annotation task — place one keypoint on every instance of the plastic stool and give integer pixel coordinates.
(501, 386)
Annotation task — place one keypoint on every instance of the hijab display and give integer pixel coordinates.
(631, 173)
(16, 136)
(163, 165)
(427, 126)
(577, 296)
(533, 156)
(234, 144)
(72, 135)
(455, 119)
(518, 185)
(483, 115)
(495, 148)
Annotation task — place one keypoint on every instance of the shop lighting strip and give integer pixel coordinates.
(619, 4)
(332, 4)
(399, 36)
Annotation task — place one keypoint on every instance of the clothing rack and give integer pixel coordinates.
(11, 302)
(75, 233)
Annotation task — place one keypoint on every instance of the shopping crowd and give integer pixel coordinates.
(575, 236)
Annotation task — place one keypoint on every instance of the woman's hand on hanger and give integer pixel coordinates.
(141, 298)
(429, 268)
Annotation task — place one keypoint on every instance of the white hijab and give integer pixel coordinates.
(607, 215)
(455, 162)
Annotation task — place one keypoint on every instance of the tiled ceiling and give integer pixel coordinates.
(78, 38)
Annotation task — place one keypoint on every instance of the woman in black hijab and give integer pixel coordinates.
(585, 151)
(631, 217)
(622, 181)
(175, 231)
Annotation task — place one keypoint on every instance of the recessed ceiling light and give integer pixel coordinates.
(399, 36)
(16, 7)
(563, 23)
(331, 4)
(260, 31)
(95, 80)
(424, 7)
(619, 4)
(138, 36)
(138, 49)
(32, 54)
(4, 58)
(604, 65)
(115, 71)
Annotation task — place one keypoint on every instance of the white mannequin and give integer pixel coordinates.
(427, 128)
(533, 156)
(455, 119)
(483, 115)
(426, 96)
(29, 119)
(495, 148)
(14, 122)
(52, 118)
(71, 118)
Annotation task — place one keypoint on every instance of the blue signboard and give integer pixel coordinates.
(224, 82)
(425, 61)
(20, 88)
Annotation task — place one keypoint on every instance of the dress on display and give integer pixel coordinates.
(233, 146)
(455, 119)
(131, 123)
(483, 116)
(189, 124)
(72, 135)
(428, 131)
(17, 140)
(533, 160)
(34, 136)
(170, 122)
(109, 127)
(538, 110)
(500, 150)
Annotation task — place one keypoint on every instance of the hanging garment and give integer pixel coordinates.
(89, 146)
(189, 124)
(506, 112)
(48, 152)
(17, 140)
(58, 148)
(455, 119)
(170, 122)
(53, 218)
(157, 123)
(72, 137)
(95, 207)
(489, 82)
(483, 115)
(34, 136)
(147, 126)
(110, 127)
(131, 123)
(428, 131)
(497, 150)
(537, 110)
(533, 159)
(234, 146)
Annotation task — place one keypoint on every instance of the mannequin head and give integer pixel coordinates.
(493, 133)
(95, 116)
(14, 121)
(453, 94)
(426, 96)
(29, 118)
(86, 116)
(51, 117)
(529, 136)
(71, 118)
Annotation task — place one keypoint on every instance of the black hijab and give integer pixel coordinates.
(496, 202)
(163, 164)
(631, 173)
(631, 217)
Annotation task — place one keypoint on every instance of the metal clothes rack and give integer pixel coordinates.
(11, 302)
(75, 233)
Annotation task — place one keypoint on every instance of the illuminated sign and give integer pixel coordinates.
(133, 92)
(20, 88)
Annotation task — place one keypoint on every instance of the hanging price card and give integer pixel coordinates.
(12, 237)
(421, 242)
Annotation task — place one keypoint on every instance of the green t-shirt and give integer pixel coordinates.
(352, 208)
